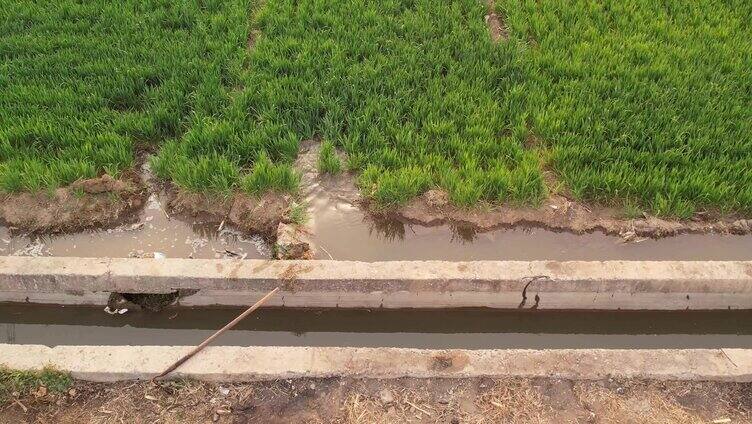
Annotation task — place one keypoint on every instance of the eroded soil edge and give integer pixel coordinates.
(92, 203)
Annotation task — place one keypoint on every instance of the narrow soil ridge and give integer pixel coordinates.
(496, 25)
(559, 214)
(93, 203)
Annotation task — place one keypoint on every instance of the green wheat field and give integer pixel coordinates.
(631, 103)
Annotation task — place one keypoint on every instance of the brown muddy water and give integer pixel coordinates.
(155, 234)
(346, 233)
(342, 231)
(455, 329)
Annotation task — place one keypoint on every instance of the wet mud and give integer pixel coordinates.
(560, 213)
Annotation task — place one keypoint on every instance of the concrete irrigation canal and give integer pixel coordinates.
(675, 320)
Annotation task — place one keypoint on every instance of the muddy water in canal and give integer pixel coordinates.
(465, 328)
(343, 231)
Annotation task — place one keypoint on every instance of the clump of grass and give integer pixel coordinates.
(24, 382)
(329, 162)
(205, 173)
(632, 211)
(299, 213)
(268, 176)
(394, 187)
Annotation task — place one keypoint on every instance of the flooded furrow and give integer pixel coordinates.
(341, 230)
(344, 232)
(155, 234)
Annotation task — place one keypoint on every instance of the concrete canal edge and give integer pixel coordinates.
(399, 284)
(224, 363)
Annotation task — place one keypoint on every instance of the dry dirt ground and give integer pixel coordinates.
(388, 401)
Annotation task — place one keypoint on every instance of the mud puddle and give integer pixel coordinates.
(466, 329)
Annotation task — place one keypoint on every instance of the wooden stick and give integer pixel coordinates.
(219, 332)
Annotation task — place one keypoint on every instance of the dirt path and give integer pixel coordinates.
(390, 401)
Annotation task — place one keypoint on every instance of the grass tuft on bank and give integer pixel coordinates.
(24, 382)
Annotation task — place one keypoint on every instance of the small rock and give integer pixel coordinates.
(293, 243)
(619, 390)
(215, 417)
(436, 198)
(312, 386)
(159, 255)
(742, 225)
(224, 391)
(386, 396)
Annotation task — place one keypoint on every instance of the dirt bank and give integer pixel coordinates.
(559, 213)
(385, 401)
(253, 215)
(96, 202)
